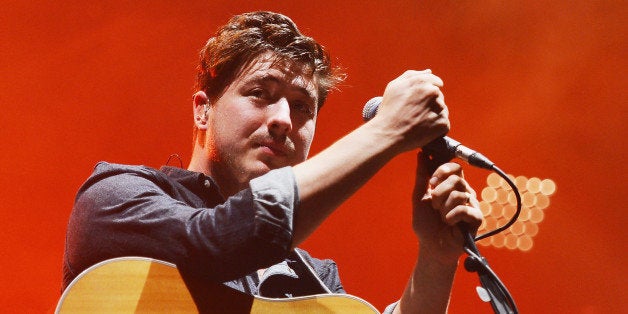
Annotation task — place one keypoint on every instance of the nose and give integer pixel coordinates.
(279, 120)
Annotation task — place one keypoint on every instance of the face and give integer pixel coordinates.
(264, 120)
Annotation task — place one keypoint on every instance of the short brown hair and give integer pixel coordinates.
(249, 35)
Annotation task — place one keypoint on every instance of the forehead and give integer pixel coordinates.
(269, 68)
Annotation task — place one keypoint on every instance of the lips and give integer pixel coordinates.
(274, 148)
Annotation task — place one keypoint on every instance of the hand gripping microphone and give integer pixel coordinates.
(441, 149)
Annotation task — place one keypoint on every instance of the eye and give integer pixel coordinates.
(302, 107)
(259, 93)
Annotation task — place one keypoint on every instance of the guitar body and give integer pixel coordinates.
(144, 285)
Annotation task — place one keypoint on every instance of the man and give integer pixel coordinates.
(249, 196)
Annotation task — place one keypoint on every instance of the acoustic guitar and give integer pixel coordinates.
(144, 285)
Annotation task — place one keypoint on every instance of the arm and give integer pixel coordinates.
(441, 200)
(136, 211)
(412, 114)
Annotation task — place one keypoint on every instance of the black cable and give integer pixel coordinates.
(517, 212)
(500, 298)
(177, 157)
(442, 151)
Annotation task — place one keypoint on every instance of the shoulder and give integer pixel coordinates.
(105, 169)
(115, 178)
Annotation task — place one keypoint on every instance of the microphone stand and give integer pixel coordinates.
(493, 290)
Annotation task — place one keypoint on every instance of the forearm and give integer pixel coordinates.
(329, 178)
(429, 287)
(412, 113)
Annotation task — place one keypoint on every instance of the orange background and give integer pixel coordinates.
(538, 86)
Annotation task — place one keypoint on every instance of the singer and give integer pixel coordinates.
(250, 195)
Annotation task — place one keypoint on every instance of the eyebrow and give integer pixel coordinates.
(273, 78)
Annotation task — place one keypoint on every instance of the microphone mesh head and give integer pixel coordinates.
(370, 108)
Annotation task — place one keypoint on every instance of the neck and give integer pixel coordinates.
(202, 162)
(198, 162)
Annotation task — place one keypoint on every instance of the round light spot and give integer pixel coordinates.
(524, 243)
(490, 223)
(502, 196)
(498, 240)
(508, 211)
(528, 199)
(517, 228)
(525, 214)
(534, 185)
(502, 221)
(548, 187)
(485, 242)
(494, 180)
(531, 229)
(511, 241)
(536, 215)
(521, 183)
(489, 194)
(485, 208)
(542, 201)
(505, 185)
(512, 199)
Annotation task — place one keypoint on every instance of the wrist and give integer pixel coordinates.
(389, 136)
(439, 255)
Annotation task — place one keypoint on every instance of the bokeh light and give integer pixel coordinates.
(499, 204)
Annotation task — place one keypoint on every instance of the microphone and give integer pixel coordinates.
(441, 149)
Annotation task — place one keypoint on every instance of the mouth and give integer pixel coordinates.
(273, 149)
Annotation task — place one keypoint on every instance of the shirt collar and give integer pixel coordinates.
(197, 182)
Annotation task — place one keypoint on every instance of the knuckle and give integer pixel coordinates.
(429, 89)
(408, 72)
(462, 195)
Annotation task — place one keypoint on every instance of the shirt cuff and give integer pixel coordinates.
(276, 199)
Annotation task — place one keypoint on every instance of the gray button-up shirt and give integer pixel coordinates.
(180, 217)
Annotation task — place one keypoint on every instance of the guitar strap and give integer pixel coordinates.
(291, 278)
(311, 271)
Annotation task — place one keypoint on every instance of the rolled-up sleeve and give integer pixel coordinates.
(252, 229)
(275, 198)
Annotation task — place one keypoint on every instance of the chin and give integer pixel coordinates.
(258, 170)
(259, 167)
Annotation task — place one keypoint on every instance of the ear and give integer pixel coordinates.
(200, 106)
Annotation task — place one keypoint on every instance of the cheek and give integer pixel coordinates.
(306, 136)
(242, 126)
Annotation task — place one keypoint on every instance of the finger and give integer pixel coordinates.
(428, 76)
(465, 213)
(444, 171)
(452, 192)
(415, 72)
(436, 80)
(438, 104)
(449, 193)
(457, 198)
(423, 76)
